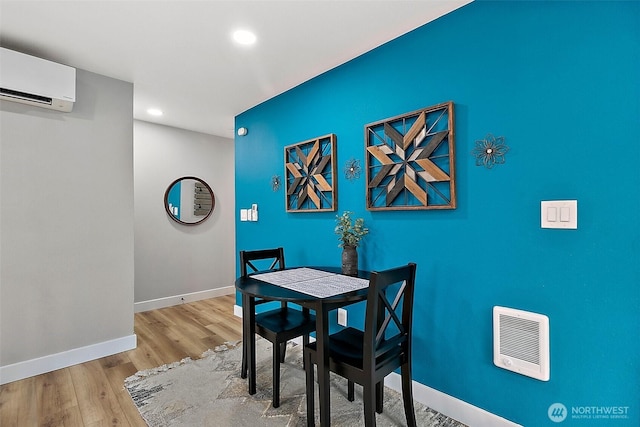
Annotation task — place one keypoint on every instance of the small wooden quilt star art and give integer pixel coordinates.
(310, 170)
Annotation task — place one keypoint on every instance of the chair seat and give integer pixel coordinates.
(345, 346)
(283, 320)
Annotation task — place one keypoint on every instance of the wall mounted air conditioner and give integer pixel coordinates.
(35, 81)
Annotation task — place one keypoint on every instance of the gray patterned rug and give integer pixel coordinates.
(210, 392)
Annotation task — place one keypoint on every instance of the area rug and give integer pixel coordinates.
(209, 392)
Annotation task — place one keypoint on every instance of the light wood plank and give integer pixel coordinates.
(98, 403)
(115, 375)
(18, 401)
(56, 397)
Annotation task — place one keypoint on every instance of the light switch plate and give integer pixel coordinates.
(559, 214)
(342, 317)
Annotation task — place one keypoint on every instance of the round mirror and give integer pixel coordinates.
(189, 200)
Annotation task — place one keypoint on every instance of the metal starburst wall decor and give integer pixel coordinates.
(352, 169)
(275, 182)
(490, 151)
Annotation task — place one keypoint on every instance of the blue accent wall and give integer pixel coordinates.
(561, 82)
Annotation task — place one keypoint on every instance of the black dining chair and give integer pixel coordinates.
(366, 357)
(277, 325)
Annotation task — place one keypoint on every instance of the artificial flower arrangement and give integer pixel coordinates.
(349, 232)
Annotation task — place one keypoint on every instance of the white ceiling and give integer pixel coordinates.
(180, 56)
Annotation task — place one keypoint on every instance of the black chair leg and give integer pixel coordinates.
(309, 388)
(283, 351)
(407, 394)
(276, 375)
(379, 396)
(369, 400)
(350, 391)
(244, 368)
(305, 343)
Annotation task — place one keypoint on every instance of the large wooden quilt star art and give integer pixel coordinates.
(311, 172)
(410, 160)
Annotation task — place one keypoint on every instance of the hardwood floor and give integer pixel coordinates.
(92, 394)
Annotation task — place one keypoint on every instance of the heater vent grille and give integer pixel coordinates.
(521, 342)
(520, 338)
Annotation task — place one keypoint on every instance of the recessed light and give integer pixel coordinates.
(154, 111)
(244, 37)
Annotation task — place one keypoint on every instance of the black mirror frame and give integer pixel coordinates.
(166, 200)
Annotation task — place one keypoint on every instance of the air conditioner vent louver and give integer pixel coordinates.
(25, 96)
(521, 342)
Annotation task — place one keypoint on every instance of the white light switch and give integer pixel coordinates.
(342, 317)
(244, 214)
(559, 214)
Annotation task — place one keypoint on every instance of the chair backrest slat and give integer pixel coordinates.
(391, 312)
(276, 256)
(381, 313)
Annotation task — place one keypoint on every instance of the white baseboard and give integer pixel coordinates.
(434, 399)
(449, 405)
(181, 299)
(52, 362)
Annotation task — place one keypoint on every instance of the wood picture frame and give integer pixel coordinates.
(410, 160)
(310, 170)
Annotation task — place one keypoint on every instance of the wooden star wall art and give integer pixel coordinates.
(310, 170)
(410, 160)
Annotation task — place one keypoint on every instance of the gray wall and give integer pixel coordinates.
(173, 259)
(66, 222)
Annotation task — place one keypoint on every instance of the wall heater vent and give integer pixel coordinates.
(521, 342)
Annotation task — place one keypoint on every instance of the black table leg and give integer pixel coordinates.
(245, 337)
(249, 344)
(322, 348)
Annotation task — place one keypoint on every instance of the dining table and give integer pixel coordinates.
(321, 289)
